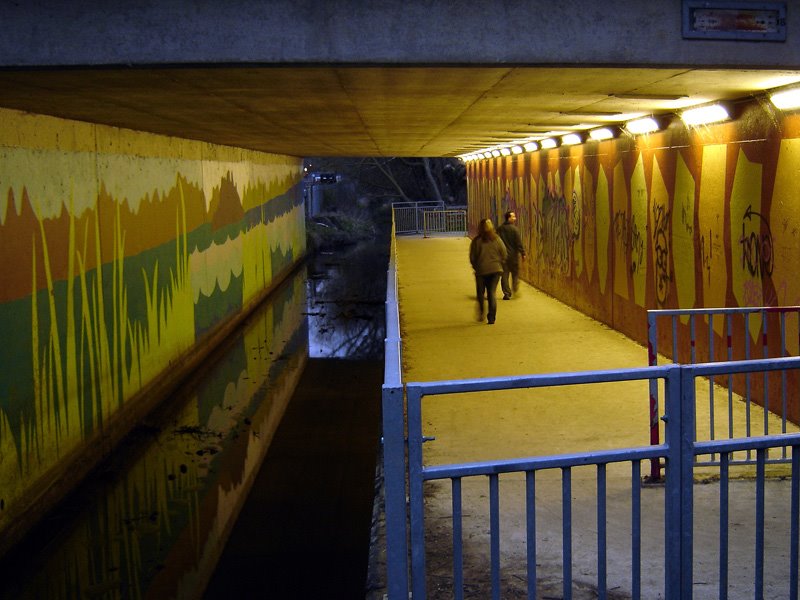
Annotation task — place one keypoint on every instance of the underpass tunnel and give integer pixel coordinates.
(152, 178)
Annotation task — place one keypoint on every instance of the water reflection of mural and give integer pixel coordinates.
(119, 251)
(684, 218)
(156, 527)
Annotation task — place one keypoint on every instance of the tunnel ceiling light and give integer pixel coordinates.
(487, 155)
(703, 115)
(787, 99)
(646, 96)
(517, 149)
(505, 151)
(531, 147)
(495, 153)
(602, 133)
(571, 139)
(548, 143)
(643, 125)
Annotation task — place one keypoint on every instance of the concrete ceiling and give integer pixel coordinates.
(374, 110)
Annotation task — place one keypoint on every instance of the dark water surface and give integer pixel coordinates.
(280, 428)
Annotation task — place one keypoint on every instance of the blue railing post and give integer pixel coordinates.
(652, 360)
(679, 417)
(394, 444)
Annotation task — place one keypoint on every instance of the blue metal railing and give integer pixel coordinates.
(394, 446)
(418, 474)
(688, 344)
(760, 445)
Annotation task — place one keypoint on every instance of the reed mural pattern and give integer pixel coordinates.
(119, 250)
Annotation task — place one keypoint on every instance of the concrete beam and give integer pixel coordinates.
(514, 32)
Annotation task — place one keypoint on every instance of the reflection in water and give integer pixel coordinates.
(346, 303)
(154, 522)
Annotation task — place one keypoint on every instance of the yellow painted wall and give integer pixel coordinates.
(121, 253)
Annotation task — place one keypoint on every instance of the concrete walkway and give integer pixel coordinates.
(534, 333)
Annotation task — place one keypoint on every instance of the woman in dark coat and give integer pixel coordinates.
(487, 254)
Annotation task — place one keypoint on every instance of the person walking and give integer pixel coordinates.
(509, 233)
(487, 254)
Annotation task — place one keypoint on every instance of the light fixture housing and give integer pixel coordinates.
(572, 139)
(603, 133)
(495, 153)
(704, 115)
(505, 151)
(531, 146)
(641, 126)
(548, 143)
(786, 99)
(517, 149)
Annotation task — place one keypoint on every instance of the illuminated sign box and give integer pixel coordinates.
(750, 21)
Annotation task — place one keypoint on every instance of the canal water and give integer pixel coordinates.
(257, 480)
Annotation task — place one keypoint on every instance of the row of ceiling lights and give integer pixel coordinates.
(693, 117)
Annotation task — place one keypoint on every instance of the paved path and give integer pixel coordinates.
(534, 333)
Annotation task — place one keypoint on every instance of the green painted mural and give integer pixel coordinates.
(119, 252)
(683, 218)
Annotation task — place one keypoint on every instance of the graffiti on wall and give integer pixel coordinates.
(661, 251)
(756, 244)
(558, 226)
(629, 237)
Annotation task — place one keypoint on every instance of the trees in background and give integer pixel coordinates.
(365, 181)
(349, 199)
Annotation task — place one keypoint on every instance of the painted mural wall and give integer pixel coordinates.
(684, 218)
(120, 252)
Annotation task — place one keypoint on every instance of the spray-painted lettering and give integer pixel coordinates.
(626, 232)
(661, 250)
(556, 230)
(706, 254)
(756, 244)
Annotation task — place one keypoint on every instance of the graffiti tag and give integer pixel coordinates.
(557, 230)
(756, 245)
(626, 232)
(706, 254)
(661, 250)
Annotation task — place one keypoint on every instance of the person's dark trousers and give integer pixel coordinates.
(487, 285)
(510, 279)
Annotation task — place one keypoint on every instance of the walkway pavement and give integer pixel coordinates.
(535, 333)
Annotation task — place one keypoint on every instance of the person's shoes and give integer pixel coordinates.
(491, 322)
(480, 316)
(506, 297)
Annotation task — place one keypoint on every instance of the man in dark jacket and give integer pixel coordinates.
(509, 233)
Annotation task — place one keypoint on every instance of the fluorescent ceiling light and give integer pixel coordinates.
(548, 143)
(516, 149)
(786, 100)
(505, 151)
(601, 133)
(703, 115)
(643, 125)
(495, 153)
(531, 146)
(646, 96)
(571, 139)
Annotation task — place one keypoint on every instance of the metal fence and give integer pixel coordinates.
(678, 529)
(409, 216)
(736, 326)
(444, 222)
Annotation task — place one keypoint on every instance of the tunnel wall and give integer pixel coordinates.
(125, 255)
(684, 218)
